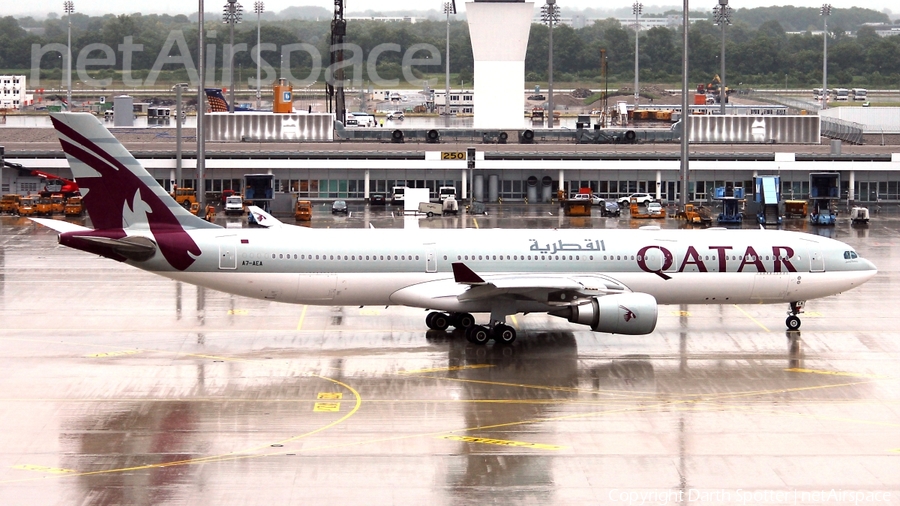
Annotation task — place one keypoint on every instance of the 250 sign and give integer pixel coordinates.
(447, 155)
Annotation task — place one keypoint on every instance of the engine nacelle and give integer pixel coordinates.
(627, 313)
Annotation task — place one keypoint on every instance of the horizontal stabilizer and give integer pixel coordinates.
(59, 225)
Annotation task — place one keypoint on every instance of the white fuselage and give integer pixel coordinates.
(414, 268)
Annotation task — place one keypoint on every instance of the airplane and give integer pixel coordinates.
(610, 280)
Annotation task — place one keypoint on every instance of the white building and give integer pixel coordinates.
(12, 93)
(461, 102)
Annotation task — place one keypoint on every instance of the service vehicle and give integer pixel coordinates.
(430, 209)
(859, 214)
(303, 211)
(450, 206)
(234, 205)
(43, 206)
(398, 195)
(57, 203)
(185, 197)
(693, 214)
(446, 192)
(395, 115)
(74, 207)
(9, 203)
(27, 206)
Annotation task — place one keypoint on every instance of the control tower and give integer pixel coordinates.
(499, 31)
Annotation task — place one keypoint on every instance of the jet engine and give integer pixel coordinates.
(627, 313)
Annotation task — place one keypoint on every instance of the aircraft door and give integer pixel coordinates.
(816, 261)
(430, 258)
(228, 252)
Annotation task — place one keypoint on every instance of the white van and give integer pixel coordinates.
(446, 192)
(362, 119)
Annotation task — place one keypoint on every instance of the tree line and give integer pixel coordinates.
(759, 50)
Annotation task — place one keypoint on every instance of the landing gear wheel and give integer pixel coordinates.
(792, 322)
(463, 321)
(478, 335)
(504, 334)
(437, 321)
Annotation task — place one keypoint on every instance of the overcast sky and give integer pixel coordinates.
(40, 8)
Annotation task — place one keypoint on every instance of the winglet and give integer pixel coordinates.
(462, 274)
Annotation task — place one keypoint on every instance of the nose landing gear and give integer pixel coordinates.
(793, 321)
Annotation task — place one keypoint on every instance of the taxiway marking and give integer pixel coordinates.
(836, 373)
(330, 396)
(115, 353)
(327, 407)
(754, 320)
(302, 317)
(447, 369)
(502, 442)
(44, 469)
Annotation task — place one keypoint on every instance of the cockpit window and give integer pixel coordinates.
(850, 255)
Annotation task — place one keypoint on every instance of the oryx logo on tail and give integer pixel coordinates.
(119, 194)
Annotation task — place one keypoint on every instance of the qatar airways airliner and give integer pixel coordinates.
(610, 280)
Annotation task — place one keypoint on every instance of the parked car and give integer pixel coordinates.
(642, 199)
(537, 97)
(377, 199)
(339, 206)
(582, 196)
(610, 208)
(596, 199)
(654, 208)
(395, 115)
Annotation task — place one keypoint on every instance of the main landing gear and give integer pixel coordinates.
(476, 334)
(793, 321)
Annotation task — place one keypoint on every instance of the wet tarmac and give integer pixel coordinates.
(121, 387)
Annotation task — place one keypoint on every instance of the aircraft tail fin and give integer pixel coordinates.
(216, 99)
(118, 192)
(121, 197)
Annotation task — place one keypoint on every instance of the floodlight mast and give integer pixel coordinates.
(259, 7)
(723, 17)
(334, 84)
(637, 8)
(550, 15)
(233, 14)
(69, 8)
(825, 11)
(449, 8)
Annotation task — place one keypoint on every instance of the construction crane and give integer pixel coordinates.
(334, 87)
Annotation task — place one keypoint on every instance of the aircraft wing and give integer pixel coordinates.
(562, 290)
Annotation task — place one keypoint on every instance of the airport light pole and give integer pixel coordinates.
(178, 120)
(685, 109)
(637, 8)
(259, 7)
(723, 17)
(825, 11)
(550, 15)
(69, 8)
(201, 111)
(233, 14)
(449, 8)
